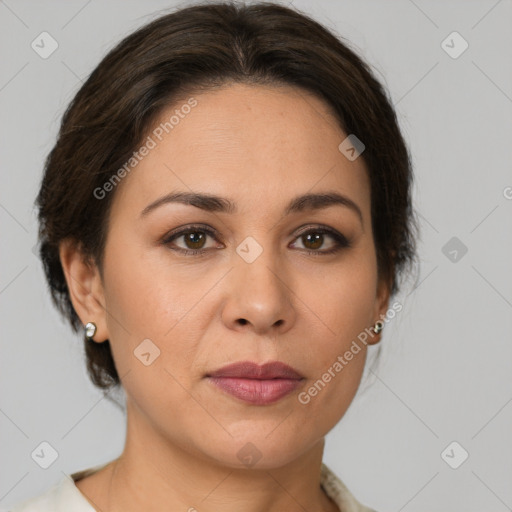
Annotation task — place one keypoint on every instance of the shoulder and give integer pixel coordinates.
(42, 503)
(64, 496)
(339, 493)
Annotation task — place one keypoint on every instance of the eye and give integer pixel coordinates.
(313, 239)
(193, 237)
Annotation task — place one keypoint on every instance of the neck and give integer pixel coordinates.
(153, 474)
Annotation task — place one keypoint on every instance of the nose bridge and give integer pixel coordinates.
(259, 262)
(260, 294)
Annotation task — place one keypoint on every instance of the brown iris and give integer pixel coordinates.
(316, 239)
(196, 238)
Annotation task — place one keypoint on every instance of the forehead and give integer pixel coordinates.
(258, 145)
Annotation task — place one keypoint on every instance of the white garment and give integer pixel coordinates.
(66, 497)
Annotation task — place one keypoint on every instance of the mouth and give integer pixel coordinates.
(255, 384)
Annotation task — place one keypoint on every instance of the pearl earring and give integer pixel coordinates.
(378, 327)
(90, 330)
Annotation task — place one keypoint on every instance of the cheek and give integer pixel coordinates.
(146, 299)
(344, 302)
(146, 322)
(140, 296)
(343, 297)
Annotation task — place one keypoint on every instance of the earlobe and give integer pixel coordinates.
(85, 287)
(381, 308)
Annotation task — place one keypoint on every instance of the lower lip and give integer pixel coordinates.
(255, 391)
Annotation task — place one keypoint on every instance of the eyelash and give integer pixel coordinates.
(341, 241)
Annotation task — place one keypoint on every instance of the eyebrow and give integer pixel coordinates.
(212, 203)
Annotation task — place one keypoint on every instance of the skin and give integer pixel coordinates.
(260, 147)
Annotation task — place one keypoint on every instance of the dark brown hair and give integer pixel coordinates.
(197, 48)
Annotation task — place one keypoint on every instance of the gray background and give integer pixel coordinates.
(446, 372)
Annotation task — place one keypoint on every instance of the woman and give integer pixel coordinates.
(226, 214)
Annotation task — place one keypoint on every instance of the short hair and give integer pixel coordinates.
(199, 48)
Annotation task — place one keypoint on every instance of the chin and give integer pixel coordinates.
(261, 451)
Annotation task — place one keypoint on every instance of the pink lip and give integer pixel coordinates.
(256, 384)
(250, 370)
(256, 391)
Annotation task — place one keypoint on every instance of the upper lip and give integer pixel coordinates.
(250, 370)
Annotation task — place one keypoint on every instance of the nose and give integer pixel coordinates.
(260, 296)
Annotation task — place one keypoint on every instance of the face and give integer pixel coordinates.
(202, 286)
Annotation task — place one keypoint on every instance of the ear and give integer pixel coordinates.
(381, 307)
(85, 287)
